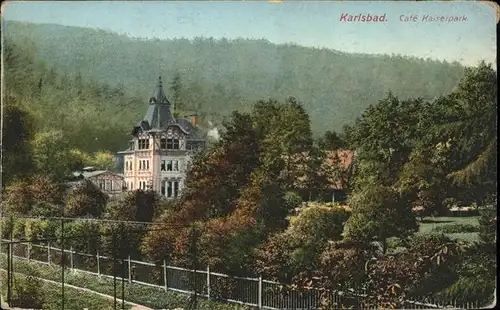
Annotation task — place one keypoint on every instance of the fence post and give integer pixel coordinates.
(48, 252)
(165, 275)
(260, 292)
(71, 258)
(208, 281)
(98, 267)
(129, 271)
(29, 252)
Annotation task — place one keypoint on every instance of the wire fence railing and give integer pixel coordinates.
(254, 292)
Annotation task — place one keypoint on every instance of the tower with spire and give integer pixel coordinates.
(161, 149)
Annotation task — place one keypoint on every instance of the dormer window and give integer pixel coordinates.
(173, 144)
(143, 144)
(163, 143)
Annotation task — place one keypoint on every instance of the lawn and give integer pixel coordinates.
(148, 296)
(429, 224)
(51, 294)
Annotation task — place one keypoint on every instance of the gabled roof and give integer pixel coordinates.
(86, 174)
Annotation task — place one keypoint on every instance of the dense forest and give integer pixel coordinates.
(217, 77)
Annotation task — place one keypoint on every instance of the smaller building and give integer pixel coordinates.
(109, 182)
(336, 169)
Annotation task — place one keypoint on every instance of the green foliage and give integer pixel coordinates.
(39, 195)
(123, 239)
(331, 141)
(318, 224)
(85, 200)
(457, 228)
(298, 248)
(51, 154)
(28, 293)
(474, 289)
(378, 212)
(83, 236)
(155, 298)
(17, 131)
(259, 69)
(488, 225)
(476, 131)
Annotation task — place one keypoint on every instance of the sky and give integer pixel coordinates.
(307, 23)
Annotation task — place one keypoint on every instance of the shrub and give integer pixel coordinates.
(457, 228)
(28, 292)
(473, 289)
(488, 225)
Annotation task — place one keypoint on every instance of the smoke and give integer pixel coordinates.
(214, 133)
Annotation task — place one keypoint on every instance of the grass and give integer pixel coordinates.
(429, 224)
(155, 298)
(51, 296)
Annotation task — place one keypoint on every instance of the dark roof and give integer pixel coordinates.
(159, 117)
(159, 95)
(193, 132)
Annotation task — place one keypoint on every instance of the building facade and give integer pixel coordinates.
(108, 182)
(160, 152)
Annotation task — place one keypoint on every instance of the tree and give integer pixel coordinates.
(39, 195)
(295, 252)
(17, 131)
(136, 206)
(423, 179)
(476, 129)
(331, 141)
(52, 154)
(85, 199)
(177, 94)
(378, 213)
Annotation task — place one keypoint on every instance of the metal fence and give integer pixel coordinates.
(255, 292)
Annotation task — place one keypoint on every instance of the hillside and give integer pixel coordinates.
(219, 76)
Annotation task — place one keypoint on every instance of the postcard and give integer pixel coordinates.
(248, 154)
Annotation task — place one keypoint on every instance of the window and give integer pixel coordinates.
(163, 188)
(101, 184)
(163, 143)
(162, 165)
(169, 189)
(176, 189)
(144, 165)
(108, 185)
(169, 165)
(172, 190)
(131, 186)
(131, 145)
(143, 144)
(176, 165)
(129, 165)
(172, 144)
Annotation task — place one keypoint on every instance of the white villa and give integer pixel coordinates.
(159, 154)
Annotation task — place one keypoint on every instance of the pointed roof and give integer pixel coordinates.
(159, 94)
(159, 116)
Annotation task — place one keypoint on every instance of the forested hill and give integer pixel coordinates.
(218, 76)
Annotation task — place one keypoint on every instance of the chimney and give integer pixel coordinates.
(194, 119)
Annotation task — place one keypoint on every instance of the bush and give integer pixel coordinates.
(457, 228)
(27, 292)
(474, 289)
(488, 225)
